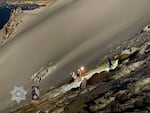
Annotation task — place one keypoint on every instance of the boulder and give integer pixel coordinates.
(98, 77)
(83, 83)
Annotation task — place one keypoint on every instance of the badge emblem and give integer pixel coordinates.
(18, 94)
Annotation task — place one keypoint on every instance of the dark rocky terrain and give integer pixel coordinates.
(10, 27)
(6, 11)
(123, 90)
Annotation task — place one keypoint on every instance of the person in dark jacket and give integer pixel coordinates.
(109, 62)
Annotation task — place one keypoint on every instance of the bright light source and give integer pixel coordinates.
(82, 68)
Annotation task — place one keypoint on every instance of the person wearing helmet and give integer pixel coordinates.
(82, 69)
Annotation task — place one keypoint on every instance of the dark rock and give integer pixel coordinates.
(98, 77)
(121, 97)
(41, 112)
(115, 107)
(139, 103)
(83, 84)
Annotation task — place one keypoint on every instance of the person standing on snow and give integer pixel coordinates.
(109, 62)
(79, 73)
(73, 75)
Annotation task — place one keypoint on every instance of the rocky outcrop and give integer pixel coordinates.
(147, 29)
(29, 2)
(11, 25)
(131, 91)
(96, 78)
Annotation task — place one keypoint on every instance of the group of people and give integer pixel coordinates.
(77, 75)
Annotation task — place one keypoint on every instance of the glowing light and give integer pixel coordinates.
(82, 68)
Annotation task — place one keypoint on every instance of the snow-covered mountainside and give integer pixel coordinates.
(125, 89)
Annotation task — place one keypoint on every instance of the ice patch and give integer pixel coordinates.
(102, 68)
(64, 89)
(147, 28)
